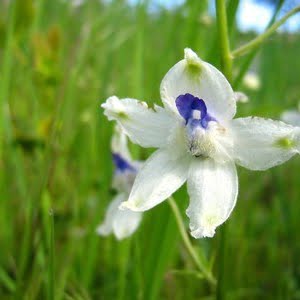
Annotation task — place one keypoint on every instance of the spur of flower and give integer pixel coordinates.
(121, 222)
(199, 142)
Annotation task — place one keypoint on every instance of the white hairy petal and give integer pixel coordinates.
(260, 144)
(213, 190)
(162, 174)
(125, 223)
(107, 226)
(144, 126)
(120, 222)
(194, 76)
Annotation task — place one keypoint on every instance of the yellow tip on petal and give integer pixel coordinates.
(193, 63)
(114, 109)
(191, 57)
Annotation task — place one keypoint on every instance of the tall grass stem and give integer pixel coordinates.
(226, 68)
(226, 58)
(255, 43)
(245, 66)
(51, 266)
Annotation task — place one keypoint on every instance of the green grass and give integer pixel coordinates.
(58, 63)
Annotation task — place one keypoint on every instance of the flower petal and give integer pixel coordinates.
(260, 144)
(106, 227)
(200, 79)
(291, 117)
(144, 126)
(213, 190)
(122, 223)
(162, 174)
(125, 223)
(119, 143)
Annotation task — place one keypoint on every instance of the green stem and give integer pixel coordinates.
(226, 67)
(261, 38)
(245, 66)
(232, 8)
(220, 292)
(226, 57)
(6, 133)
(6, 77)
(276, 11)
(51, 258)
(124, 250)
(198, 259)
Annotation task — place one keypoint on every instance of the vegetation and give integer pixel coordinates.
(59, 62)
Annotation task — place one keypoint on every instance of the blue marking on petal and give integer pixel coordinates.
(121, 164)
(187, 104)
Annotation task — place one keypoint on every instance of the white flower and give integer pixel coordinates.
(199, 142)
(291, 116)
(252, 81)
(121, 222)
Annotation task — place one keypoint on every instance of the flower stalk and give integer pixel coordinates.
(197, 259)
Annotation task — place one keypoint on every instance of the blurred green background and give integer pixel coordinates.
(59, 61)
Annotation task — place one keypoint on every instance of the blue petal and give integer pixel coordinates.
(187, 103)
(122, 164)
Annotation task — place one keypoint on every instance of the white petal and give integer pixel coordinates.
(291, 117)
(106, 227)
(260, 144)
(125, 223)
(120, 222)
(162, 174)
(213, 190)
(194, 76)
(144, 126)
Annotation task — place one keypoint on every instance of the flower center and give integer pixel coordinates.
(193, 110)
(205, 137)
